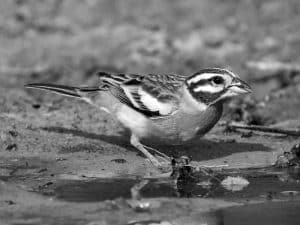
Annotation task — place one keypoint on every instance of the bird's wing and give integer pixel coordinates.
(153, 95)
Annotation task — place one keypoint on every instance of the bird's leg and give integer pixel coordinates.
(136, 143)
(161, 155)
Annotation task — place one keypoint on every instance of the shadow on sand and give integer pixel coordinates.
(201, 149)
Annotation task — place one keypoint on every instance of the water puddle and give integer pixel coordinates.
(275, 213)
(263, 184)
(108, 189)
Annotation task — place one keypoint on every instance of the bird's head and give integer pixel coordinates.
(209, 86)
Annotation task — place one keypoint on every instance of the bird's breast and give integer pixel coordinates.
(182, 127)
(174, 129)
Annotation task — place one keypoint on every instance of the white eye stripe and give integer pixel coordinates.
(227, 74)
(208, 88)
(204, 76)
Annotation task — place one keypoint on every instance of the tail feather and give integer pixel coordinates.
(62, 89)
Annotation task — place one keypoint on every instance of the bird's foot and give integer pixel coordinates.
(160, 160)
(161, 163)
(165, 167)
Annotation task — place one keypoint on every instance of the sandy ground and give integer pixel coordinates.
(45, 138)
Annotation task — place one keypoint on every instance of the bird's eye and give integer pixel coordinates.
(217, 80)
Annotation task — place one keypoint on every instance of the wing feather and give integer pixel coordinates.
(152, 95)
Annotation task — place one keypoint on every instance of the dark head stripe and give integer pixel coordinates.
(206, 97)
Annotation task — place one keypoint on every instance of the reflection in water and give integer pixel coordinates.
(266, 184)
(275, 213)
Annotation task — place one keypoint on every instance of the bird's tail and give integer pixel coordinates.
(70, 91)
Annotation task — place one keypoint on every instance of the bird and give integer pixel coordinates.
(160, 108)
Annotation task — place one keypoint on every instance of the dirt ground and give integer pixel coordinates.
(46, 139)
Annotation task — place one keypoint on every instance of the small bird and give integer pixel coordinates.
(160, 108)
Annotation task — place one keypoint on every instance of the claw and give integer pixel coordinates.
(161, 165)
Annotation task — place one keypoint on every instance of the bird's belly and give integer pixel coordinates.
(172, 138)
(172, 130)
(182, 128)
(172, 135)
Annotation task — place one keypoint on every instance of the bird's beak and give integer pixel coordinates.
(239, 86)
